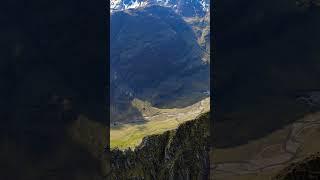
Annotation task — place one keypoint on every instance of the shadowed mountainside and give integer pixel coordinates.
(155, 57)
(267, 57)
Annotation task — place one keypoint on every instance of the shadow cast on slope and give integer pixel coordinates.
(266, 54)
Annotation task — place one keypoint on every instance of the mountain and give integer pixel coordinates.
(178, 154)
(186, 8)
(155, 57)
(195, 12)
(201, 28)
(266, 60)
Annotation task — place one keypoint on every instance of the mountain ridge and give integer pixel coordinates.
(177, 154)
(187, 8)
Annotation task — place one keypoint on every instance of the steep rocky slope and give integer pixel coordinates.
(201, 28)
(178, 154)
(195, 12)
(155, 57)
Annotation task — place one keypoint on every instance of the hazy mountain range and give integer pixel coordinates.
(187, 8)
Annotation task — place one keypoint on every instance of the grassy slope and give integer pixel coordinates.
(158, 121)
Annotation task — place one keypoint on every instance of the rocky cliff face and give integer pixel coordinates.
(179, 154)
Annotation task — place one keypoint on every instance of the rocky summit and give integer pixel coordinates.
(186, 8)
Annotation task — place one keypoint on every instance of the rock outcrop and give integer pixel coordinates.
(307, 169)
(179, 154)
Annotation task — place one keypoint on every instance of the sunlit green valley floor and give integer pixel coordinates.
(156, 121)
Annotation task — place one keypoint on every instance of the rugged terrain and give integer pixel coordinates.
(176, 154)
(156, 121)
(185, 8)
(155, 57)
(195, 12)
(266, 86)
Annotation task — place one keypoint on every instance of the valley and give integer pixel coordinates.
(263, 158)
(159, 89)
(156, 121)
(159, 69)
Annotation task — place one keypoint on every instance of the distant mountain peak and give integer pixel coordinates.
(188, 8)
